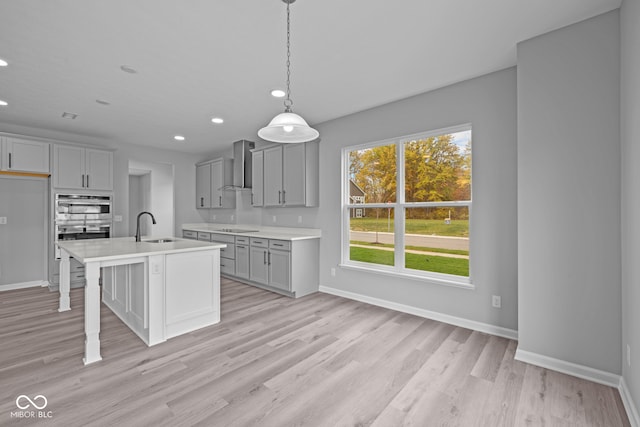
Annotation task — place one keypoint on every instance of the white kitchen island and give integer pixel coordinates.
(159, 289)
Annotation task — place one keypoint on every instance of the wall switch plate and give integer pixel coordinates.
(496, 301)
(333, 271)
(3, 220)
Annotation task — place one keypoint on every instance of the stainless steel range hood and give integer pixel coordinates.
(242, 174)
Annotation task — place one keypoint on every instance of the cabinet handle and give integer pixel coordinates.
(252, 199)
(219, 200)
(82, 180)
(279, 195)
(87, 180)
(283, 197)
(9, 160)
(201, 202)
(278, 244)
(269, 258)
(264, 256)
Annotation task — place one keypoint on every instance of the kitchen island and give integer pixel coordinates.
(160, 288)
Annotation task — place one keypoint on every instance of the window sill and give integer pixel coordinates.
(463, 283)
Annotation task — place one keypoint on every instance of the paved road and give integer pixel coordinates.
(461, 243)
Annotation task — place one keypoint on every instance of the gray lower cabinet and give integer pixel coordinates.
(242, 258)
(283, 266)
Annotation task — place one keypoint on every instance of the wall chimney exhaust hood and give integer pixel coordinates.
(242, 166)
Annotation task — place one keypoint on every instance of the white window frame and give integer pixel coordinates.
(399, 207)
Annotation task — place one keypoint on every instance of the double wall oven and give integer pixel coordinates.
(81, 216)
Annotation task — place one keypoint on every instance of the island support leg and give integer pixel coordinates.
(92, 314)
(65, 281)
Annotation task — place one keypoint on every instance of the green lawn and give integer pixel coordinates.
(437, 264)
(417, 248)
(457, 228)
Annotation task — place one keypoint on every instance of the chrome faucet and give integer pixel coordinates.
(138, 223)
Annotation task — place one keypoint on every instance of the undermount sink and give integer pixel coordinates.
(160, 241)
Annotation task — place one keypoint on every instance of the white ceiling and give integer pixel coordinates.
(198, 59)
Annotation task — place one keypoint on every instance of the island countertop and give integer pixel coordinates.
(126, 247)
(252, 230)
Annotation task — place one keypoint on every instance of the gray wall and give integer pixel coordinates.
(489, 103)
(630, 120)
(569, 194)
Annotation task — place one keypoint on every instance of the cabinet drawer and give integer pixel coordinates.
(229, 252)
(259, 243)
(188, 234)
(204, 236)
(283, 245)
(242, 240)
(76, 276)
(223, 238)
(227, 266)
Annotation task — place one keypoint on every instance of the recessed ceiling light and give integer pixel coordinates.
(3, 63)
(179, 138)
(103, 102)
(128, 69)
(71, 116)
(217, 120)
(278, 93)
(3, 103)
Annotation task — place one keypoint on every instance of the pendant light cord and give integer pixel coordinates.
(288, 102)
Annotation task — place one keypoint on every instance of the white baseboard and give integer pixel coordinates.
(433, 315)
(629, 406)
(33, 284)
(580, 371)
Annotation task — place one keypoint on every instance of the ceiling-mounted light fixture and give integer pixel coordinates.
(288, 127)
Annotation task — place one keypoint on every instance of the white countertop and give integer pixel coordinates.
(279, 233)
(126, 247)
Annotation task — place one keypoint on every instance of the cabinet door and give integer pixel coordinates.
(68, 167)
(294, 175)
(99, 169)
(217, 181)
(242, 261)
(258, 268)
(27, 156)
(258, 178)
(279, 269)
(273, 176)
(203, 186)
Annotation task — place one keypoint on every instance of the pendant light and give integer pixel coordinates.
(288, 127)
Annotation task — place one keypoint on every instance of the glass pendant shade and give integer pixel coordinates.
(289, 128)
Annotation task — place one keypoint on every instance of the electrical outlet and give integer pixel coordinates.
(3, 220)
(628, 355)
(333, 272)
(274, 218)
(232, 217)
(213, 217)
(117, 218)
(299, 219)
(496, 301)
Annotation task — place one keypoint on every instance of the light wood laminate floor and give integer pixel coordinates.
(320, 360)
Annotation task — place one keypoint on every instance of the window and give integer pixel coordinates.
(407, 205)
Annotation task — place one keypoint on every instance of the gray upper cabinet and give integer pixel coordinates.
(273, 176)
(23, 155)
(212, 178)
(203, 186)
(257, 191)
(82, 168)
(290, 175)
